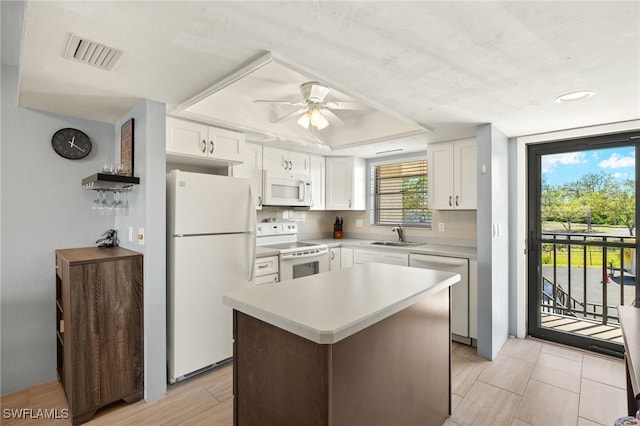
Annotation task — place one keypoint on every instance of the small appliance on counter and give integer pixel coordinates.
(109, 239)
(337, 228)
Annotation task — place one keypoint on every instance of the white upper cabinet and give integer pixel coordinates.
(452, 182)
(286, 161)
(317, 181)
(251, 169)
(200, 141)
(345, 183)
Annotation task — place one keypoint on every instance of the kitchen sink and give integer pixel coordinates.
(396, 243)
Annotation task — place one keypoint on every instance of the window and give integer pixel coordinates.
(399, 193)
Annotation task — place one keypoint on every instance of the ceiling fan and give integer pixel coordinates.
(314, 109)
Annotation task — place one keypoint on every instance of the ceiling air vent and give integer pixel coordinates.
(92, 53)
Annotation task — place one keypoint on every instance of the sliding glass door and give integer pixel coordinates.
(583, 253)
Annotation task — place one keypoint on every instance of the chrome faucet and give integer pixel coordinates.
(400, 232)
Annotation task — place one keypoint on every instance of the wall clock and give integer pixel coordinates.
(72, 144)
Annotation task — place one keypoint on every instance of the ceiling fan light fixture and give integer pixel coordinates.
(305, 119)
(574, 96)
(316, 117)
(322, 122)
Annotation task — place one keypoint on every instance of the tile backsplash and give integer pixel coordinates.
(460, 227)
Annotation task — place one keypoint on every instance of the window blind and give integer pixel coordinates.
(400, 193)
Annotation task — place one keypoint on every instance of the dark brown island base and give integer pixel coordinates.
(368, 345)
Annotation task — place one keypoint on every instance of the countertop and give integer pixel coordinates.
(427, 248)
(326, 308)
(266, 251)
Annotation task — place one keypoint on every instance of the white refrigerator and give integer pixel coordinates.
(211, 223)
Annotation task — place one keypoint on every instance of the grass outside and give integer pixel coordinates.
(592, 257)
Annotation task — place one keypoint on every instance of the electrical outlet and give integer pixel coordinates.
(141, 236)
(358, 223)
(441, 226)
(130, 233)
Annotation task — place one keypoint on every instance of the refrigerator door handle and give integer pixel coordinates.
(252, 240)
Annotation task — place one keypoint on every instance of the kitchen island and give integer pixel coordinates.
(364, 345)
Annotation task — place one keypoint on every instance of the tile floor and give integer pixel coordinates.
(530, 383)
(536, 383)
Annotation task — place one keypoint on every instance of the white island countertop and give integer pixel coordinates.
(328, 307)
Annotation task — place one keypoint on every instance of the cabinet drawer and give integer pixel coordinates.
(266, 266)
(267, 279)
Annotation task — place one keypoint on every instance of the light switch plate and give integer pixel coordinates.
(441, 226)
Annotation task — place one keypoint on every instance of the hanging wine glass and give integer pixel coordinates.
(125, 203)
(95, 205)
(117, 202)
(104, 204)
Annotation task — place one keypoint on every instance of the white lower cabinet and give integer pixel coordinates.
(369, 256)
(473, 299)
(346, 257)
(463, 295)
(267, 270)
(335, 259)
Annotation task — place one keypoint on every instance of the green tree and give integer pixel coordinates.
(597, 198)
(623, 205)
(414, 200)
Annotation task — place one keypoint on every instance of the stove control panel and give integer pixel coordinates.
(276, 228)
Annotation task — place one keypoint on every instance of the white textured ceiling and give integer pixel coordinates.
(447, 66)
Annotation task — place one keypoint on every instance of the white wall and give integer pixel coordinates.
(493, 240)
(44, 207)
(148, 211)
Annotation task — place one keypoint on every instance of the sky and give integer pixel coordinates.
(570, 166)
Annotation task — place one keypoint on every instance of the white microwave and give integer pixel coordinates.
(286, 189)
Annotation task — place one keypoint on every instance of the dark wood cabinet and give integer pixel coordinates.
(99, 311)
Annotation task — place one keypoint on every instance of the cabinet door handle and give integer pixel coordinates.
(333, 255)
(213, 147)
(457, 204)
(349, 203)
(450, 199)
(290, 165)
(204, 145)
(259, 200)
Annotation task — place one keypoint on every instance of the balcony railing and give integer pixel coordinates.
(587, 276)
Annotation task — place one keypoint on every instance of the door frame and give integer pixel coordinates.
(534, 154)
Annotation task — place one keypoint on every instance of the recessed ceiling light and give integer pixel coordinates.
(574, 96)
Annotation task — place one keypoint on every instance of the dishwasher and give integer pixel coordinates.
(459, 291)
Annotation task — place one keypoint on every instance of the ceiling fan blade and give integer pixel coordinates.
(333, 119)
(267, 101)
(356, 106)
(293, 114)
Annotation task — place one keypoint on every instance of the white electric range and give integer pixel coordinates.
(296, 259)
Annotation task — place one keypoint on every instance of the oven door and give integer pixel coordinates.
(297, 266)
